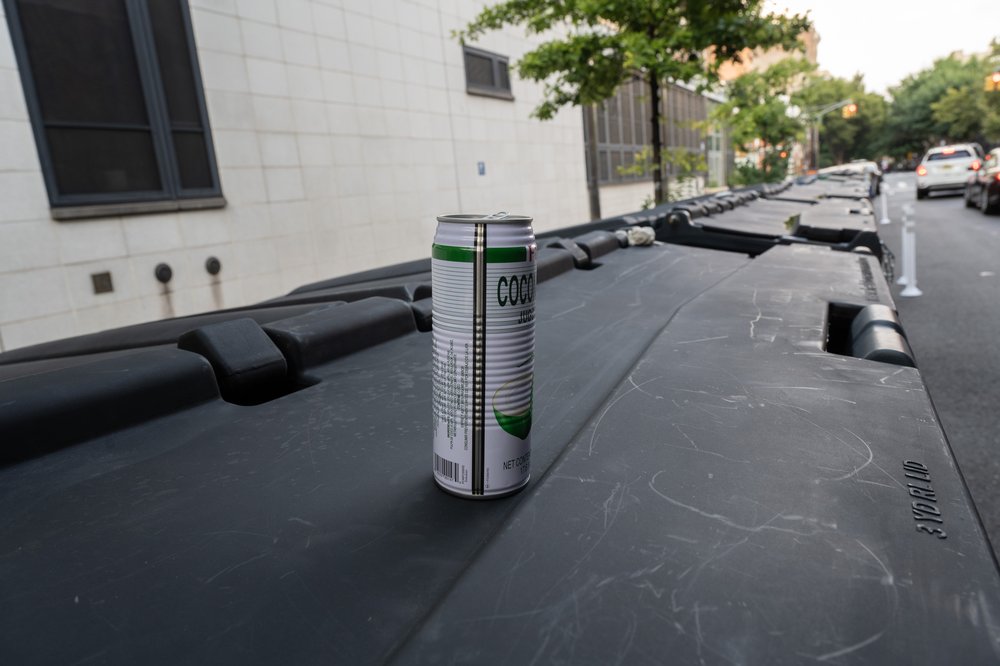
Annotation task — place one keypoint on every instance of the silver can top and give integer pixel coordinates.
(501, 217)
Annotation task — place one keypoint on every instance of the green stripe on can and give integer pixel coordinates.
(494, 255)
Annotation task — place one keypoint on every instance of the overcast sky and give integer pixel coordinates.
(887, 39)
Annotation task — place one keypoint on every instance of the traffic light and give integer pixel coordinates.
(992, 82)
(850, 110)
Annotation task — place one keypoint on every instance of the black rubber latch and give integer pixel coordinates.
(883, 344)
(694, 210)
(661, 218)
(598, 243)
(645, 218)
(552, 261)
(869, 239)
(46, 411)
(423, 312)
(875, 314)
(319, 337)
(580, 257)
(245, 361)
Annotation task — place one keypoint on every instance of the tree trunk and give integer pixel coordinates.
(590, 137)
(814, 135)
(659, 182)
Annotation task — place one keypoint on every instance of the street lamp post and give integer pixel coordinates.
(815, 115)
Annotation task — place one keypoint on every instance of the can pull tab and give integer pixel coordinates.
(497, 216)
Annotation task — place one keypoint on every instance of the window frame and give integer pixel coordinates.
(171, 196)
(496, 60)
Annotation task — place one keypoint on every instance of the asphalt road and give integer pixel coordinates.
(953, 327)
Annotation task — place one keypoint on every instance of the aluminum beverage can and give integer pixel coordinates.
(483, 285)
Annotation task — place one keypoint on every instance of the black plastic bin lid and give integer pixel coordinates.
(710, 484)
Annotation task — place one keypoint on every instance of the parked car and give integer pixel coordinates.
(945, 168)
(982, 187)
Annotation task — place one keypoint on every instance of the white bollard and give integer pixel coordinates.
(911, 272)
(904, 275)
(885, 207)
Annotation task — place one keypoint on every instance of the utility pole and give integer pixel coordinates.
(815, 115)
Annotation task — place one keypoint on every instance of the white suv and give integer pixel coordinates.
(946, 168)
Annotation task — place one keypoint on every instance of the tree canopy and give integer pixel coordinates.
(844, 139)
(757, 107)
(969, 112)
(945, 102)
(592, 46)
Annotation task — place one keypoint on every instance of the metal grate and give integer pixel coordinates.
(623, 127)
(102, 282)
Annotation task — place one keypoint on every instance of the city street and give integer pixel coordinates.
(952, 326)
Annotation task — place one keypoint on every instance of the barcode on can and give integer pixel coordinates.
(446, 468)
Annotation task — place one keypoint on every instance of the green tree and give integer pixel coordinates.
(989, 101)
(844, 139)
(991, 120)
(685, 163)
(913, 123)
(961, 111)
(593, 46)
(757, 108)
(972, 113)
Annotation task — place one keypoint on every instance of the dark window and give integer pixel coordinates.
(116, 101)
(950, 155)
(486, 73)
